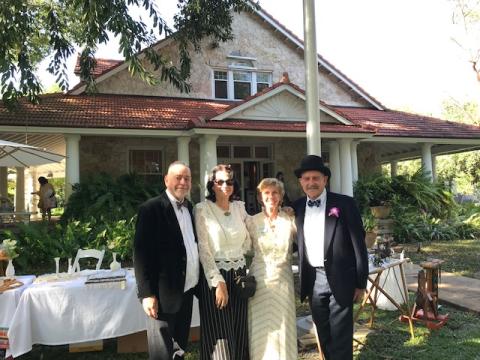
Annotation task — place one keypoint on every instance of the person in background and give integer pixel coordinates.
(286, 200)
(47, 201)
(167, 267)
(223, 240)
(333, 259)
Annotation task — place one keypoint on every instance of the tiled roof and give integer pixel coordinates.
(102, 66)
(402, 124)
(293, 126)
(170, 113)
(112, 111)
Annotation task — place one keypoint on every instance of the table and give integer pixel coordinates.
(10, 299)
(66, 312)
(15, 216)
(376, 288)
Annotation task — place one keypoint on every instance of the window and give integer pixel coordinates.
(263, 81)
(221, 84)
(239, 83)
(242, 82)
(148, 163)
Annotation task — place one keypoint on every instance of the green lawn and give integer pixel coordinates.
(459, 339)
(462, 257)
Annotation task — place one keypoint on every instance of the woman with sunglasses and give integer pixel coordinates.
(223, 240)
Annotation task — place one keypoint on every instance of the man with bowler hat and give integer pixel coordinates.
(333, 259)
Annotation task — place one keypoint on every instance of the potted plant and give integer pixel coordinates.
(380, 193)
(369, 224)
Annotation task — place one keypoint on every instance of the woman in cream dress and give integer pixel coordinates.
(222, 241)
(271, 311)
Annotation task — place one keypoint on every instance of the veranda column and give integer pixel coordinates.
(183, 154)
(32, 185)
(434, 167)
(393, 168)
(427, 159)
(334, 164)
(20, 189)
(346, 166)
(208, 160)
(353, 148)
(72, 163)
(3, 181)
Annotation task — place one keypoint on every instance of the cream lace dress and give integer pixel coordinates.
(272, 327)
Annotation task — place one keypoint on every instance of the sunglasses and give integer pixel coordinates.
(228, 182)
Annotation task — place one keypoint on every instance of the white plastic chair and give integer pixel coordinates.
(88, 253)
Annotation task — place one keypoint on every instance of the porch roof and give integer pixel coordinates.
(401, 124)
(171, 113)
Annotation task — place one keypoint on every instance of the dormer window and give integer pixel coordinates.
(240, 80)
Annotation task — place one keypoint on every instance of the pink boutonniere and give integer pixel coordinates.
(334, 211)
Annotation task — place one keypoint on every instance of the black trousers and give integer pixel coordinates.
(334, 322)
(167, 328)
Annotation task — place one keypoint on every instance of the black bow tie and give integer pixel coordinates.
(180, 204)
(312, 203)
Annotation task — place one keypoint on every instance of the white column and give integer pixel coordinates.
(311, 79)
(353, 149)
(393, 168)
(32, 185)
(434, 167)
(346, 166)
(20, 189)
(183, 154)
(72, 163)
(427, 159)
(3, 181)
(208, 160)
(334, 164)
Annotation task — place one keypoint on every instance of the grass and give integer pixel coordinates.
(459, 339)
(462, 257)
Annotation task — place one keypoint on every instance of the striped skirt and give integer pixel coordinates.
(223, 333)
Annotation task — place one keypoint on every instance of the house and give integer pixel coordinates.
(246, 108)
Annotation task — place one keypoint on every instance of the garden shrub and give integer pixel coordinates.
(422, 210)
(100, 214)
(101, 195)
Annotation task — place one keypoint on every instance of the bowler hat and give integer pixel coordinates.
(312, 162)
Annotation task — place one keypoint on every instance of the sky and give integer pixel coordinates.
(400, 51)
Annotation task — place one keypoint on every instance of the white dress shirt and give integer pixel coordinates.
(314, 230)
(185, 222)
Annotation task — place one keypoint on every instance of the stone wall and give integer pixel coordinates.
(272, 51)
(110, 153)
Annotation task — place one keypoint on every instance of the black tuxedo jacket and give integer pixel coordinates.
(160, 258)
(346, 258)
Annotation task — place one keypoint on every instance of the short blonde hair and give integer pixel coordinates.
(269, 182)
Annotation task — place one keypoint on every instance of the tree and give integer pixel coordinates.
(32, 29)
(466, 15)
(463, 169)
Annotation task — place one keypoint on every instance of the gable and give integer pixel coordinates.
(256, 36)
(281, 102)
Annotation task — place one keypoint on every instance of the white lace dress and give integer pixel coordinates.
(272, 326)
(222, 241)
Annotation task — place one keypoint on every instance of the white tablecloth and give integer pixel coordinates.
(55, 313)
(9, 300)
(391, 282)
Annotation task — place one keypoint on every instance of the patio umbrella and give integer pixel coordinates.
(14, 154)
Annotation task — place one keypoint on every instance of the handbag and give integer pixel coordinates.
(245, 286)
